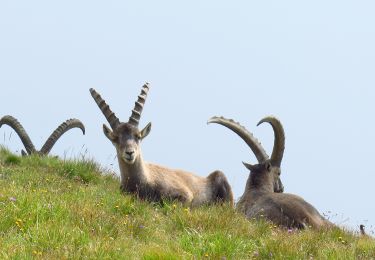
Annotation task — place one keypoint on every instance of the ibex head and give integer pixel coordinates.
(265, 165)
(126, 137)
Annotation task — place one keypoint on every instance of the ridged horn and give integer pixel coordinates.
(138, 107)
(279, 142)
(109, 115)
(248, 137)
(18, 128)
(64, 127)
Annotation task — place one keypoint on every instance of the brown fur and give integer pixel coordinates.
(155, 182)
(260, 201)
(151, 181)
(263, 197)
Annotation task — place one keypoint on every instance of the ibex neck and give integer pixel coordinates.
(258, 185)
(133, 175)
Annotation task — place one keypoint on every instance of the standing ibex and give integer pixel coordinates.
(30, 149)
(151, 181)
(262, 196)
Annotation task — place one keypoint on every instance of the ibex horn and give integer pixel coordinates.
(138, 107)
(248, 137)
(279, 142)
(64, 127)
(13, 123)
(109, 115)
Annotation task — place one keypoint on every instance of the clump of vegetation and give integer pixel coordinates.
(12, 159)
(54, 209)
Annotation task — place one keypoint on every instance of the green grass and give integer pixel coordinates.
(54, 209)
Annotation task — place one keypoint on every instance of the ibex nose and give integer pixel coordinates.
(130, 153)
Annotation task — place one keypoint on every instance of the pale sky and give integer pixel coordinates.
(310, 63)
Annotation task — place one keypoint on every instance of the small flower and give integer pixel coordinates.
(12, 199)
(290, 231)
(117, 206)
(206, 255)
(141, 227)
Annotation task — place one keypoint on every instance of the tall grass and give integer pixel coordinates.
(60, 209)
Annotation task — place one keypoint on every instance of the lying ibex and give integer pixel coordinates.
(29, 146)
(262, 196)
(151, 181)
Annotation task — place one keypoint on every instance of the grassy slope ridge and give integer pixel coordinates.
(53, 209)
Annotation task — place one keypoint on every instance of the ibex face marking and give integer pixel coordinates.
(127, 138)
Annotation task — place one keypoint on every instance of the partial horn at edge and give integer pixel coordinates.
(18, 128)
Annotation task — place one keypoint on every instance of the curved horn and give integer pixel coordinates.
(64, 127)
(279, 143)
(138, 107)
(248, 137)
(109, 115)
(13, 123)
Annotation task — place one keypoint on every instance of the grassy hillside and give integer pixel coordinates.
(53, 209)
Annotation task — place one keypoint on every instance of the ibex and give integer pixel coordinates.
(29, 146)
(150, 181)
(263, 195)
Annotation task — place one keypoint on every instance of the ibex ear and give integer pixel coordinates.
(108, 133)
(249, 166)
(145, 131)
(268, 165)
